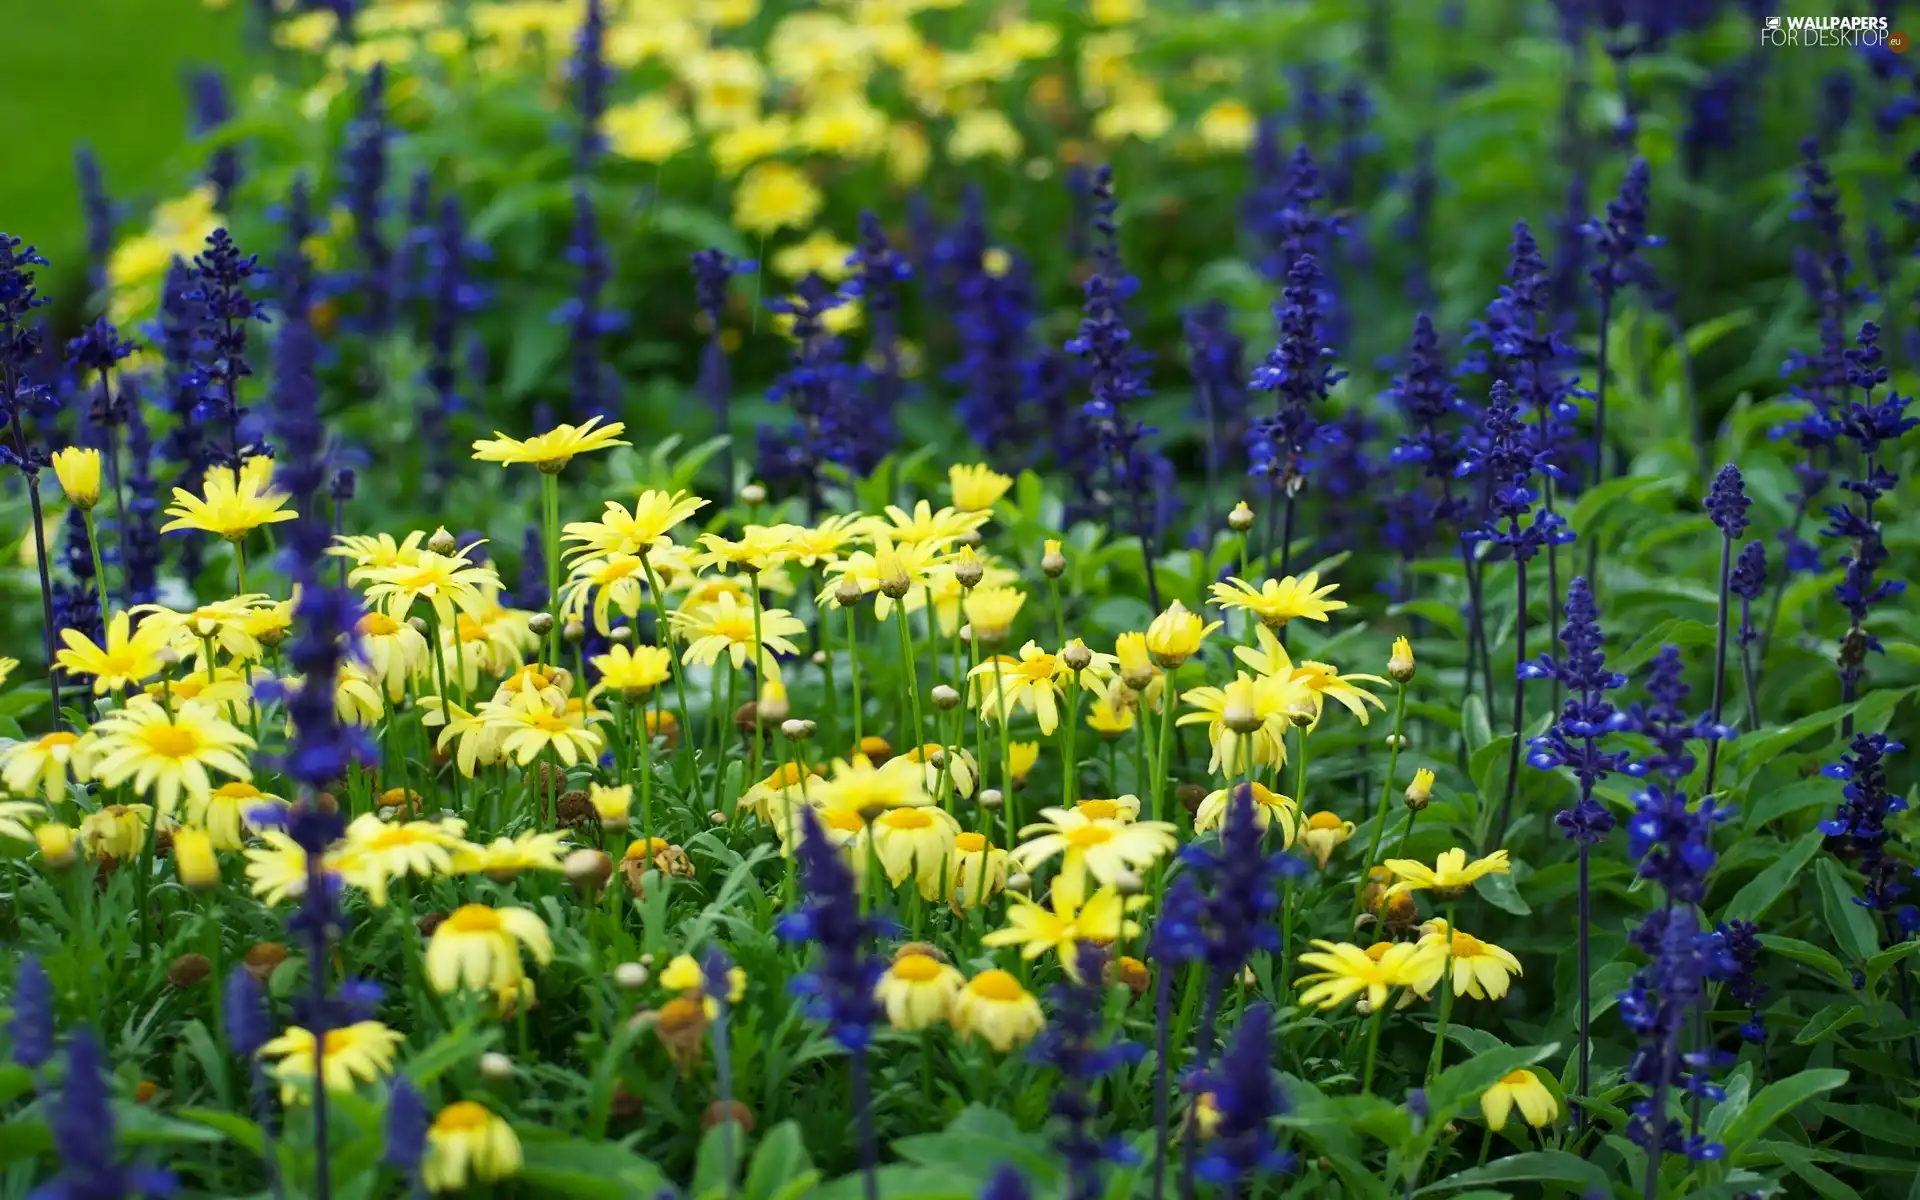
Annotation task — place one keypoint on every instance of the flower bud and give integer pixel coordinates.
(1400, 665)
(193, 859)
(1238, 713)
(1301, 714)
(716, 817)
(588, 870)
(78, 470)
(188, 970)
(1420, 791)
(1076, 656)
(620, 635)
(818, 658)
(56, 842)
(442, 542)
(1241, 518)
(496, 1066)
(1020, 882)
(1396, 741)
(573, 632)
(847, 592)
(417, 624)
(1053, 563)
(631, 976)
(540, 624)
(1128, 883)
(968, 571)
(794, 729)
(945, 698)
(991, 799)
(753, 494)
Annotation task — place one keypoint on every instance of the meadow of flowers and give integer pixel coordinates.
(917, 599)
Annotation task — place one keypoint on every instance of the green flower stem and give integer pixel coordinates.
(440, 675)
(550, 499)
(833, 693)
(1446, 1003)
(853, 669)
(645, 741)
(1163, 750)
(1373, 1047)
(1386, 791)
(724, 735)
(99, 571)
(759, 682)
(1006, 746)
(210, 929)
(1070, 772)
(913, 679)
(1059, 609)
(663, 636)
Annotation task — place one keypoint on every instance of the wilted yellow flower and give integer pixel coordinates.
(43, 764)
(116, 831)
(915, 843)
(1520, 1089)
(478, 948)
(468, 1142)
(1322, 833)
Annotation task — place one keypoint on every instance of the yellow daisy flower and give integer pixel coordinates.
(447, 582)
(350, 1055)
(1175, 636)
(1480, 969)
(531, 724)
(166, 755)
(976, 488)
(1248, 708)
(375, 852)
(551, 451)
(1277, 601)
(43, 764)
(1322, 833)
(230, 812)
(923, 526)
(726, 627)
(1063, 923)
(1523, 1090)
(503, 858)
(468, 1143)
(620, 531)
(996, 1009)
(1450, 874)
(917, 843)
(1269, 808)
(976, 872)
(129, 656)
(477, 948)
(918, 991)
(633, 673)
(1346, 971)
(233, 503)
(396, 651)
(1091, 846)
(116, 831)
(616, 580)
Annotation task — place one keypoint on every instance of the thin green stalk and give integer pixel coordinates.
(440, 676)
(1163, 750)
(1386, 792)
(550, 496)
(759, 682)
(663, 636)
(1059, 609)
(99, 571)
(1070, 772)
(1373, 1047)
(1446, 1002)
(853, 669)
(913, 678)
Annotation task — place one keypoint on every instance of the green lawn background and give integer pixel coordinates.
(110, 73)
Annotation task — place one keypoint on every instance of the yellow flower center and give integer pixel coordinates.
(549, 723)
(996, 985)
(907, 818)
(173, 741)
(337, 1041)
(916, 968)
(734, 629)
(1465, 945)
(643, 847)
(54, 741)
(472, 918)
(844, 819)
(1514, 1078)
(117, 662)
(237, 791)
(1324, 820)
(462, 1116)
(617, 570)
(377, 625)
(970, 843)
(423, 578)
(1099, 810)
(1037, 669)
(1088, 836)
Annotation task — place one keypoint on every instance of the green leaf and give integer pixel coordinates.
(141, 1126)
(15, 1082)
(1613, 499)
(1800, 1162)
(1807, 954)
(1503, 894)
(237, 1128)
(1751, 902)
(717, 1164)
(781, 1160)
(1781, 802)
(901, 1182)
(1874, 1121)
(1537, 1166)
(1827, 1022)
(595, 1170)
(977, 1140)
(1674, 631)
(1846, 920)
(1775, 1101)
(1473, 719)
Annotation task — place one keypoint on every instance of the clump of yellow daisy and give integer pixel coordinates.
(167, 755)
(1450, 875)
(1346, 971)
(129, 656)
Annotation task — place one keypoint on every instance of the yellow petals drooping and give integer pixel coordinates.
(349, 1056)
(478, 948)
(996, 1009)
(1480, 969)
(918, 990)
(466, 1144)
(78, 469)
(1322, 833)
(1450, 875)
(1346, 971)
(976, 488)
(1523, 1090)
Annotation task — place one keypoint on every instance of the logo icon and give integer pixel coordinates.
(1898, 42)
(1773, 23)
